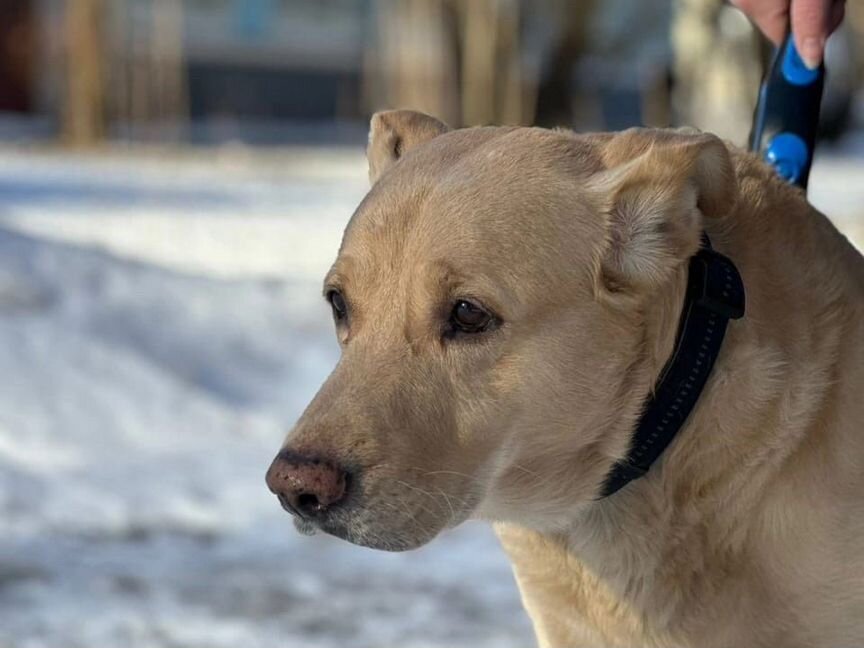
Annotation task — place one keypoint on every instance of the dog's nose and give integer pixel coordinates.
(306, 486)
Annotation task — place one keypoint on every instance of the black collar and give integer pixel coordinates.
(715, 294)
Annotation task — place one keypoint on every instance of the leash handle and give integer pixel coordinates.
(787, 114)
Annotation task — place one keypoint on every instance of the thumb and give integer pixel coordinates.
(810, 27)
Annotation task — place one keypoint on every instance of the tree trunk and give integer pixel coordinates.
(84, 100)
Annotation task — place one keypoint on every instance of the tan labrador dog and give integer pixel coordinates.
(506, 298)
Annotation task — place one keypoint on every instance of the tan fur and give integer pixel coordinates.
(750, 529)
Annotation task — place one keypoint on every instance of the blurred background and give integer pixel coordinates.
(174, 179)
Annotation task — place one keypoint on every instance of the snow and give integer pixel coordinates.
(161, 326)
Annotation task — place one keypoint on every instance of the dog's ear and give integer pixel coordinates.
(657, 188)
(392, 133)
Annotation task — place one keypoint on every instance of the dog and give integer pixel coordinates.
(506, 300)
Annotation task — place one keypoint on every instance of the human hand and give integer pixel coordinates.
(812, 22)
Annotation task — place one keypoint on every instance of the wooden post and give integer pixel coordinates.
(84, 97)
(414, 65)
(169, 88)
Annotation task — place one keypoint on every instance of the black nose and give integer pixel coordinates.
(306, 486)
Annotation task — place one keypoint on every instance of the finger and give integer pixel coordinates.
(810, 24)
(770, 16)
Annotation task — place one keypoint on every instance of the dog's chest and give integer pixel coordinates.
(568, 605)
(571, 605)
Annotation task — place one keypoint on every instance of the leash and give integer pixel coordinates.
(787, 114)
(784, 130)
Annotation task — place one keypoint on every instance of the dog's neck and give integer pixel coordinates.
(694, 510)
(626, 570)
(698, 467)
(714, 296)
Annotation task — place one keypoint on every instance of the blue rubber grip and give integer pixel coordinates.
(789, 155)
(787, 115)
(793, 68)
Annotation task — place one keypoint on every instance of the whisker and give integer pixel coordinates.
(447, 499)
(420, 490)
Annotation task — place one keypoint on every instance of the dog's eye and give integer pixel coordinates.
(468, 317)
(337, 303)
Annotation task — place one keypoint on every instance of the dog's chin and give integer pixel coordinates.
(365, 535)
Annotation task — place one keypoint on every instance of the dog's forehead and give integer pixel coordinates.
(478, 181)
(491, 200)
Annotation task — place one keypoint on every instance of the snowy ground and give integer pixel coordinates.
(160, 327)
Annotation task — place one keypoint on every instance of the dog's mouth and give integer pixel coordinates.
(365, 534)
(383, 506)
(389, 524)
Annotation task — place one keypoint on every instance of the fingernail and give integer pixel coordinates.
(811, 51)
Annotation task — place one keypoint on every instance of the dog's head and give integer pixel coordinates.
(504, 299)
